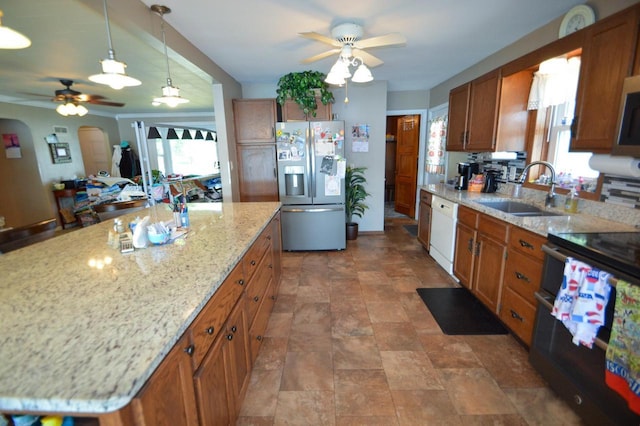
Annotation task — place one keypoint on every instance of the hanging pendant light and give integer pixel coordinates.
(10, 38)
(170, 93)
(113, 73)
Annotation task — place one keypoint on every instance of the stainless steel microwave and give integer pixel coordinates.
(628, 135)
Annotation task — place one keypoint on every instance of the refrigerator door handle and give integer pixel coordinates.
(312, 161)
(318, 210)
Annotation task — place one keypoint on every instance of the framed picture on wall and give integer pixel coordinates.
(60, 153)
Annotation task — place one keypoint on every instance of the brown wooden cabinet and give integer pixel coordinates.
(424, 219)
(257, 172)
(480, 255)
(255, 120)
(65, 201)
(522, 278)
(607, 58)
(291, 111)
(168, 398)
(473, 112)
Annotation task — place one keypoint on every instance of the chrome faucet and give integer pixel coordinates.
(550, 200)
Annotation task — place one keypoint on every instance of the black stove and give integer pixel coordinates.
(619, 250)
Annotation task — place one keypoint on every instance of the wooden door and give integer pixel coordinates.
(464, 254)
(96, 154)
(168, 398)
(237, 356)
(491, 258)
(408, 137)
(257, 172)
(458, 107)
(607, 59)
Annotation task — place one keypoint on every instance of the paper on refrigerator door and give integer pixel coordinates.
(341, 168)
(331, 185)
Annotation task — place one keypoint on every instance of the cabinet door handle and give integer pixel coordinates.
(210, 330)
(241, 281)
(259, 338)
(522, 277)
(190, 350)
(229, 336)
(273, 297)
(253, 263)
(234, 329)
(255, 299)
(470, 245)
(478, 248)
(515, 315)
(525, 244)
(573, 130)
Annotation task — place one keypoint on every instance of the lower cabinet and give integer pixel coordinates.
(168, 398)
(257, 173)
(424, 219)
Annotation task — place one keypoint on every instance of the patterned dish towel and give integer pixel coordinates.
(582, 300)
(623, 354)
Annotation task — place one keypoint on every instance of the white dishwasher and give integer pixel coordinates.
(444, 215)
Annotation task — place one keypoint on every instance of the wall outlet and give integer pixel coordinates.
(512, 173)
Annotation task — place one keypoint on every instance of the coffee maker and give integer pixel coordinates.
(465, 173)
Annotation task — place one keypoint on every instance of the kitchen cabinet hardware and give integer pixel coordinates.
(515, 315)
(241, 282)
(522, 276)
(253, 263)
(255, 299)
(470, 246)
(229, 336)
(478, 248)
(210, 330)
(577, 399)
(189, 350)
(234, 329)
(526, 244)
(259, 338)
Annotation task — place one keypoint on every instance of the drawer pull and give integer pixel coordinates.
(259, 338)
(241, 281)
(210, 330)
(234, 329)
(522, 276)
(229, 336)
(525, 244)
(255, 299)
(470, 245)
(273, 297)
(515, 315)
(253, 263)
(478, 248)
(190, 350)
(269, 237)
(270, 266)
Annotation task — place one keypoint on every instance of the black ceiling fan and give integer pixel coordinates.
(69, 95)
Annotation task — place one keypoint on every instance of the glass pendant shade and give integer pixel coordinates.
(362, 75)
(11, 39)
(70, 108)
(170, 96)
(113, 73)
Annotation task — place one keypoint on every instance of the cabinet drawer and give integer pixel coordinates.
(257, 286)
(425, 197)
(493, 228)
(209, 322)
(527, 242)
(523, 275)
(517, 314)
(256, 333)
(252, 258)
(468, 216)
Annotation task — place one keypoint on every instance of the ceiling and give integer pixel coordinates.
(255, 41)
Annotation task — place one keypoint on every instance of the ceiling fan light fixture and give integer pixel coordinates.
(12, 39)
(113, 71)
(69, 108)
(362, 74)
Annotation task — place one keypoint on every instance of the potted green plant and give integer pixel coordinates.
(302, 87)
(355, 194)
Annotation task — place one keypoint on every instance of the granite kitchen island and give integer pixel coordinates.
(84, 326)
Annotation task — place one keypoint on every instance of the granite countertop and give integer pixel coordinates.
(83, 326)
(542, 225)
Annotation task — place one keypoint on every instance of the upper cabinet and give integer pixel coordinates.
(255, 120)
(291, 111)
(473, 113)
(607, 58)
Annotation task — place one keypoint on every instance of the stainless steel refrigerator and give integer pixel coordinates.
(311, 168)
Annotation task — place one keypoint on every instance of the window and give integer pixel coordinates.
(187, 157)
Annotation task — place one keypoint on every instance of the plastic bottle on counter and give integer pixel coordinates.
(184, 215)
(571, 202)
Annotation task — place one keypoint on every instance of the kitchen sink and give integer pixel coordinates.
(518, 208)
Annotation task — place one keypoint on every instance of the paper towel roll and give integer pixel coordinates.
(620, 166)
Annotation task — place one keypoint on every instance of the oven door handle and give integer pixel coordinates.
(544, 300)
(553, 252)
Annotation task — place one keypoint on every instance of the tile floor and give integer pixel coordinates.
(351, 343)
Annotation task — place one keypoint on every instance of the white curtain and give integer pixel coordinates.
(554, 86)
(436, 145)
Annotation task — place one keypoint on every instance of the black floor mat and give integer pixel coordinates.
(457, 311)
(412, 229)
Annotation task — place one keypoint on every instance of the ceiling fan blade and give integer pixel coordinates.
(319, 37)
(369, 60)
(320, 56)
(105, 103)
(393, 39)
